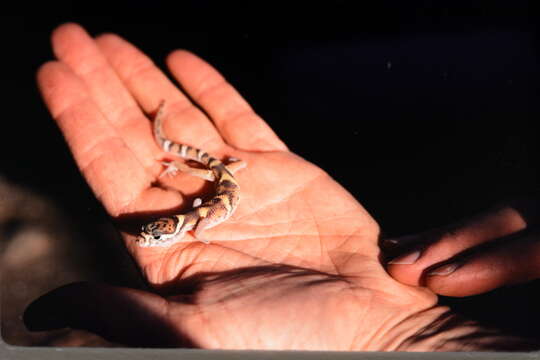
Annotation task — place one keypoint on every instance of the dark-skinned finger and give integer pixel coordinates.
(438, 246)
(507, 261)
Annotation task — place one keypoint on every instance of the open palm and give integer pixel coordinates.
(295, 267)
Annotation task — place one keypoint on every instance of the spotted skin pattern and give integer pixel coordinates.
(168, 230)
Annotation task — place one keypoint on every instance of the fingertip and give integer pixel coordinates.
(185, 59)
(63, 31)
(407, 274)
(108, 35)
(45, 70)
(72, 44)
(182, 54)
(66, 27)
(441, 279)
(109, 39)
(59, 87)
(407, 266)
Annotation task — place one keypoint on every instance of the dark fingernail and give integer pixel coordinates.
(444, 270)
(407, 240)
(389, 243)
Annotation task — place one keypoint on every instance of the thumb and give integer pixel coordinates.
(123, 315)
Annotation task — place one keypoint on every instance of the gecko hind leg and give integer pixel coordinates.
(235, 164)
(174, 166)
(202, 224)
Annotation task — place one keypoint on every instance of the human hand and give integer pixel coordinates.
(297, 265)
(496, 248)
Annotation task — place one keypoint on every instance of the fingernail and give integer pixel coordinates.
(406, 259)
(389, 243)
(392, 243)
(444, 270)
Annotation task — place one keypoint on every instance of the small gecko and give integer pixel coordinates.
(167, 230)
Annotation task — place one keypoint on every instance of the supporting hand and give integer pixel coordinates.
(296, 267)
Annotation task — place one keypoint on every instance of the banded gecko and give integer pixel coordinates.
(167, 230)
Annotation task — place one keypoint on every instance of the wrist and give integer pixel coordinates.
(439, 329)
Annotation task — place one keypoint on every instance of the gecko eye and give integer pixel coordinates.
(157, 237)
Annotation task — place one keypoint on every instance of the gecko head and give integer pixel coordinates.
(161, 232)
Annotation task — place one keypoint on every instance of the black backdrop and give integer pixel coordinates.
(424, 112)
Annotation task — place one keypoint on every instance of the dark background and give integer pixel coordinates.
(425, 111)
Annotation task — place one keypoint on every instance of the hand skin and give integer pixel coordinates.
(290, 270)
(496, 248)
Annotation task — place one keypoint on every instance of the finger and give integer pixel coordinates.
(74, 47)
(110, 167)
(506, 262)
(409, 267)
(128, 316)
(234, 118)
(184, 123)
